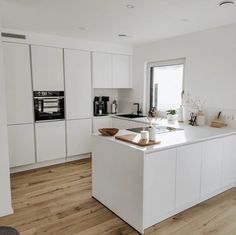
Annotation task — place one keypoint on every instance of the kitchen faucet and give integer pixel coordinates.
(138, 110)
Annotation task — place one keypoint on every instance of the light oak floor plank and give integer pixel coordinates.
(57, 200)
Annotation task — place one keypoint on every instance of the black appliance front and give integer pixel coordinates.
(49, 105)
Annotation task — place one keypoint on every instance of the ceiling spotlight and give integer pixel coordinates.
(81, 28)
(185, 20)
(130, 6)
(226, 2)
(122, 35)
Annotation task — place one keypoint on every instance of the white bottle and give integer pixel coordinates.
(180, 114)
(152, 133)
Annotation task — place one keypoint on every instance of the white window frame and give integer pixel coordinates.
(150, 65)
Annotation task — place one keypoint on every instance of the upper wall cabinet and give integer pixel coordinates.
(47, 67)
(121, 71)
(18, 83)
(111, 71)
(102, 70)
(78, 84)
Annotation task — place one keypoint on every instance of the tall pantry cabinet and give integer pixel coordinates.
(78, 101)
(19, 103)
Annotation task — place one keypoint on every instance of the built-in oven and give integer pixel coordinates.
(49, 105)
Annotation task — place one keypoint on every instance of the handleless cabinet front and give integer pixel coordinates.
(21, 145)
(50, 140)
(78, 84)
(47, 67)
(18, 83)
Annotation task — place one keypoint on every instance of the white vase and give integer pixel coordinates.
(171, 117)
(152, 133)
(201, 120)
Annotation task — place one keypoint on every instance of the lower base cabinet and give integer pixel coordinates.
(50, 140)
(125, 124)
(229, 161)
(188, 175)
(21, 144)
(79, 133)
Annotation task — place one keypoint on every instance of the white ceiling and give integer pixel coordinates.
(104, 19)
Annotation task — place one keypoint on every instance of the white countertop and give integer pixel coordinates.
(189, 135)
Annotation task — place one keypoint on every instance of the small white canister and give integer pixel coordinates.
(152, 133)
(144, 135)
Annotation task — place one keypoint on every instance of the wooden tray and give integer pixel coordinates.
(136, 139)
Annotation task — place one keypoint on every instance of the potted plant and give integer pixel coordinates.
(171, 114)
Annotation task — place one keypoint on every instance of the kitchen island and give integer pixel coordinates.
(145, 185)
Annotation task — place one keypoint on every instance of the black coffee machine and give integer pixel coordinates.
(100, 105)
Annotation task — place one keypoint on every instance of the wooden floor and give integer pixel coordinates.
(57, 201)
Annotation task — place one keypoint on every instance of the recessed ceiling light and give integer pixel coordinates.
(185, 20)
(81, 28)
(122, 35)
(130, 6)
(226, 2)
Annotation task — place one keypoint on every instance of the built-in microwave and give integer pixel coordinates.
(49, 105)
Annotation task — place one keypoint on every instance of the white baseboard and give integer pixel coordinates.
(49, 163)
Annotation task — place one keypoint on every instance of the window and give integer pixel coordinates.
(166, 84)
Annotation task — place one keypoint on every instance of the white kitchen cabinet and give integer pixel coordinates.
(212, 152)
(78, 84)
(121, 71)
(50, 140)
(79, 135)
(102, 70)
(101, 122)
(125, 124)
(229, 161)
(159, 185)
(18, 83)
(47, 68)
(188, 175)
(21, 145)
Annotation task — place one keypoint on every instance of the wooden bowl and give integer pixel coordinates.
(108, 131)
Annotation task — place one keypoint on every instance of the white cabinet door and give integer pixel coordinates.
(212, 152)
(121, 71)
(78, 84)
(47, 67)
(79, 135)
(229, 161)
(101, 123)
(159, 185)
(21, 145)
(50, 141)
(125, 124)
(18, 83)
(188, 175)
(102, 70)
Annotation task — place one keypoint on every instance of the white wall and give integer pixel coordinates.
(5, 193)
(210, 65)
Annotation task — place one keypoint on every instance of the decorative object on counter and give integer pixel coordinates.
(218, 122)
(201, 119)
(137, 140)
(180, 114)
(152, 112)
(171, 114)
(114, 107)
(193, 120)
(108, 131)
(144, 135)
(191, 105)
(152, 133)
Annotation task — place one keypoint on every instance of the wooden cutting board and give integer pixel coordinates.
(136, 139)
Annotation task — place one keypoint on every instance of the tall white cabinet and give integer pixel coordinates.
(78, 101)
(18, 83)
(47, 67)
(19, 103)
